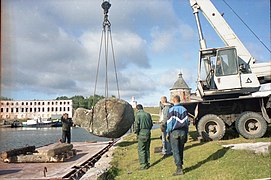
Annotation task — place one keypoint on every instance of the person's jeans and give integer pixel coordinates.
(166, 147)
(66, 135)
(177, 139)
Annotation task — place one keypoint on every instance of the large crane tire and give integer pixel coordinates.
(251, 125)
(211, 127)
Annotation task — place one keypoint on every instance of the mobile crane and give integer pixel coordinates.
(228, 83)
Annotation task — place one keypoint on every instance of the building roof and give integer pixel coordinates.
(180, 83)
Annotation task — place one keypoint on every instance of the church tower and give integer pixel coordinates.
(180, 88)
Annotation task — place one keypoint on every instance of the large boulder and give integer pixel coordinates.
(59, 149)
(112, 118)
(82, 117)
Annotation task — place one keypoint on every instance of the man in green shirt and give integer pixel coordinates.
(143, 126)
(66, 128)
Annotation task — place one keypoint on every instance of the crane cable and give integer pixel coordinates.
(106, 37)
(247, 26)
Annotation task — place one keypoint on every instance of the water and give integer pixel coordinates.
(11, 138)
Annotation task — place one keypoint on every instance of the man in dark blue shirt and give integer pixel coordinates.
(177, 128)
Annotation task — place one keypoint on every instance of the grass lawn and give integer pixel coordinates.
(201, 160)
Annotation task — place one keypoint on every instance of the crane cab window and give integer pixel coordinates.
(226, 63)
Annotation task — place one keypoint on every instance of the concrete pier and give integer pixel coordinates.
(85, 151)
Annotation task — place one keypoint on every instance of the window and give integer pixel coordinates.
(35, 103)
(48, 103)
(22, 110)
(30, 109)
(60, 109)
(2, 109)
(56, 108)
(26, 103)
(30, 103)
(7, 109)
(7, 103)
(64, 102)
(38, 109)
(17, 103)
(68, 108)
(26, 109)
(22, 103)
(226, 63)
(64, 109)
(35, 109)
(42, 103)
(17, 109)
(11, 110)
(52, 103)
(43, 109)
(48, 109)
(56, 103)
(60, 103)
(12, 104)
(52, 109)
(38, 103)
(68, 102)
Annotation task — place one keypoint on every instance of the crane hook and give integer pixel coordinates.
(106, 5)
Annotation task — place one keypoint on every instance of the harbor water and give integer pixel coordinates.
(11, 138)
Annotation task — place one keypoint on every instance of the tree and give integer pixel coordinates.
(62, 98)
(76, 101)
(5, 98)
(79, 101)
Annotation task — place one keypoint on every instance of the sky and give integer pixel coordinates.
(50, 48)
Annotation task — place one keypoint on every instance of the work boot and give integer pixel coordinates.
(147, 166)
(179, 171)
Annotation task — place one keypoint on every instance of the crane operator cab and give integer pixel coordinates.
(222, 73)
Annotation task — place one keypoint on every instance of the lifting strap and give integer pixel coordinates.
(105, 42)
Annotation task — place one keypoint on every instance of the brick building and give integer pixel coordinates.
(29, 109)
(180, 88)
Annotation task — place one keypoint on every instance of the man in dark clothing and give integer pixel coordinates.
(66, 128)
(143, 126)
(177, 128)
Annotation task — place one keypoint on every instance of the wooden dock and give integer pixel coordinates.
(85, 152)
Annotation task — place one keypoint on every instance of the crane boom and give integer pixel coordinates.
(222, 28)
(227, 35)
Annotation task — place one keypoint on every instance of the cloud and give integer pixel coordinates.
(162, 40)
(129, 48)
(168, 77)
(52, 47)
(48, 58)
(143, 14)
(170, 38)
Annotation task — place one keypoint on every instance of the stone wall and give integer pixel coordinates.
(183, 93)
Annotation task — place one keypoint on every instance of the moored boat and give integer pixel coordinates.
(16, 124)
(38, 122)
